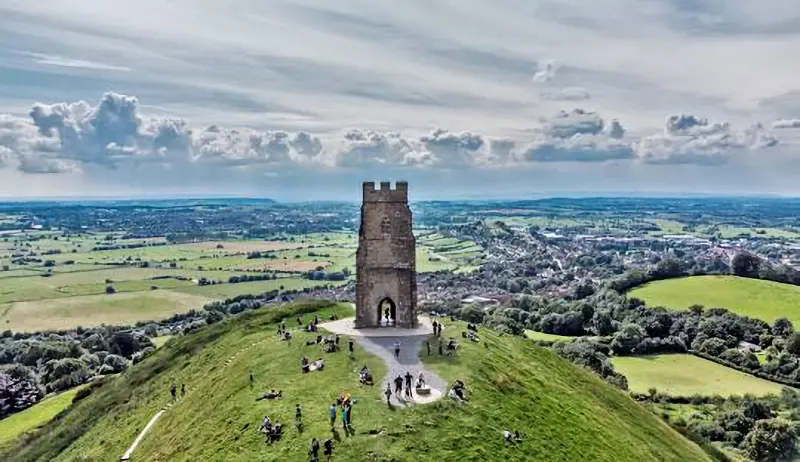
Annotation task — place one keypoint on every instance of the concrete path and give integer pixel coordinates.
(381, 344)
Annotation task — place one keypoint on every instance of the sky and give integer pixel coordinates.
(305, 99)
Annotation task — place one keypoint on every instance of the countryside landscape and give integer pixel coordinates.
(390, 231)
(678, 314)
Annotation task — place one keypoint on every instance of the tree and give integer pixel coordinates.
(113, 364)
(124, 344)
(782, 327)
(213, 317)
(713, 346)
(770, 439)
(627, 339)
(19, 389)
(793, 344)
(746, 265)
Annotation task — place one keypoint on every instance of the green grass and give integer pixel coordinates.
(564, 412)
(35, 416)
(765, 300)
(161, 340)
(94, 310)
(534, 335)
(686, 375)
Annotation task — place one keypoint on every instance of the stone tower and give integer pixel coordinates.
(386, 281)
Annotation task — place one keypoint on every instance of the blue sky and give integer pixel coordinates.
(303, 99)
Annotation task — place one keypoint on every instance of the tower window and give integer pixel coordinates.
(386, 226)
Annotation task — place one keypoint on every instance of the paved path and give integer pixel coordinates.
(380, 342)
(383, 347)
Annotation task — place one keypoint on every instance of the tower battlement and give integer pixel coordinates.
(386, 193)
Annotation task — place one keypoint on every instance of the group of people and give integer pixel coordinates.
(511, 438)
(399, 381)
(345, 403)
(173, 390)
(317, 365)
(437, 328)
(313, 451)
(364, 376)
(272, 431)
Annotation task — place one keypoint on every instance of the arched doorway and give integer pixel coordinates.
(387, 313)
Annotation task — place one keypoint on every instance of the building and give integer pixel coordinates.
(386, 282)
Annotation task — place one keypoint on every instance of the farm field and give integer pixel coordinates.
(68, 276)
(686, 375)
(94, 310)
(508, 382)
(764, 300)
(35, 416)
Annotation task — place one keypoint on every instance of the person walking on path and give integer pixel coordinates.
(398, 385)
(388, 393)
(313, 451)
(435, 327)
(183, 390)
(397, 349)
(409, 378)
(172, 390)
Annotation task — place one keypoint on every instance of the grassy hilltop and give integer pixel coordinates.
(563, 412)
(765, 300)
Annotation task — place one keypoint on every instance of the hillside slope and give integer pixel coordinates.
(756, 298)
(563, 412)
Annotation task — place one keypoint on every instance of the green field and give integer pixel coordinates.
(535, 335)
(35, 416)
(94, 310)
(765, 300)
(686, 375)
(562, 411)
(73, 285)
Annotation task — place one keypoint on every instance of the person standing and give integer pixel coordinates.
(333, 415)
(252, 380)
(173, 389)
(343, 413)
(350, 345)
(397, 349)
(313, 452)
(388, 393)
(328, 452)
(183, 390)
(428, 347)
(409, 378)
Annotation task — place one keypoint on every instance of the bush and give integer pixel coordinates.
(19, 389)
(627, 339)
(771, 439)
(213, 317)
(113, 364)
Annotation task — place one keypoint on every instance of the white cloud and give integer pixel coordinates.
(567, 94)
(545, 71)
(691, 140)
(63, 61)
(786, 123)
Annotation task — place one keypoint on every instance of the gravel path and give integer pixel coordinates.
(409, 361)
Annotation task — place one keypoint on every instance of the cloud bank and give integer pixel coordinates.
(113, 133)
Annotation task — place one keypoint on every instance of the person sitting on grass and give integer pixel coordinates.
(364, 376)
(276, 432)
(318, 365)
(304, 364)
(266, 425)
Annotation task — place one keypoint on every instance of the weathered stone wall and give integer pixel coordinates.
(386, 256)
